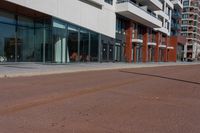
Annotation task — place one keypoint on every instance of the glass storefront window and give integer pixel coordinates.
(84, 46)
(59, 42)
(25, 40)
(7, 37)
(22, 38)
(43, 42)
(7, 43)
(7, 18)
(47, 39)
(94, 47)
(73, 44)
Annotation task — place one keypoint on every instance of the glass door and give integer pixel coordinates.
(138, 53)
(118, 52)
(111, 52)
(105, 52)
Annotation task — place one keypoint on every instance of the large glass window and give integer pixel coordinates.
(22, 38)
(43, 40)
(7, 42)
(28, 39)
(84, 46)
(73, 43)
(59, 42)
(25, 39)
(7, 37)
(94, 47)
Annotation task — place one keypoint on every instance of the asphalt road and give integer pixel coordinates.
(140, 100)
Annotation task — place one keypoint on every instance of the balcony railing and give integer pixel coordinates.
(131, 2)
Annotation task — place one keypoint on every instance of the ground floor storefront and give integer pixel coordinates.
(30, 36)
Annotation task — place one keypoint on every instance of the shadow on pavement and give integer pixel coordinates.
(163, 77)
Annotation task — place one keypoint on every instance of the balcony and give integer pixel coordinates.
(170, 47)
(153, 5)
(151, 43)
(133, 11)
(138, 39)
(162, 46)
(163, 30)
(177, 3)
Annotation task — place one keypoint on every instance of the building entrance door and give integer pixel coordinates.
(107, 52)
(104, 52)
(139, 53)
(151, 53)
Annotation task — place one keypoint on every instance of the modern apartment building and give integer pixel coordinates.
(62, 31)
(191, 28)
(177, 41)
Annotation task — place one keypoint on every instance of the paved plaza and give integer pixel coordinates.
(33, 69)
(164, 99)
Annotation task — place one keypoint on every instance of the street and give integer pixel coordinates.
(140, 100)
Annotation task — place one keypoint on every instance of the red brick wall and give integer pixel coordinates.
(145, 47)
(172, 52)
(128, 47)
(158, 35)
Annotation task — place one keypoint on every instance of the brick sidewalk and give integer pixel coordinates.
(33, 69)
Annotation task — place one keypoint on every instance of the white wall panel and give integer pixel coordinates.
(77, 12)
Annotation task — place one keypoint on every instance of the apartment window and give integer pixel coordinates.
(184, 22)
(186, 9)
(186, 3)
(195, 17)
(195, 23)
(184, 28)
(185, 16)
(184, 34)
(109, 1)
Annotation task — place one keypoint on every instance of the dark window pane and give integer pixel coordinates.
(94, 47)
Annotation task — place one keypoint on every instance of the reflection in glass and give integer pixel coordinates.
(94, 47)
(73, 43)
(25, 37)
(84, 46)
(59, 42)
(7, 37)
